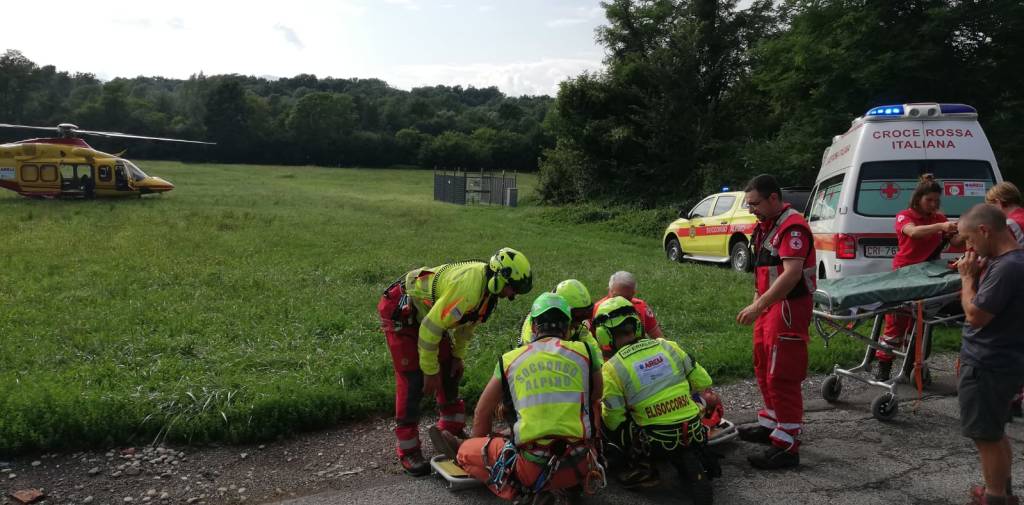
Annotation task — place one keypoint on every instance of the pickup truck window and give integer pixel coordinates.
(723, 205)
(702, 208)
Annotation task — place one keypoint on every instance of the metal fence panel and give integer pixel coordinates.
(475, 187)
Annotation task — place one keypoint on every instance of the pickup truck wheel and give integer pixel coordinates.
(739, 257)
(673, 250)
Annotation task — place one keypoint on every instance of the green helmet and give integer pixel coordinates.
(612, 313)
(575, 293)
(511, 267)
(550, 313)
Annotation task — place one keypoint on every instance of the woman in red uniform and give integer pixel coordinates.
(919, 233)
(1006, 196)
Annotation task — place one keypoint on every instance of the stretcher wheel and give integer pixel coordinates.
(926, 377)
(885, 407)
(831, 388)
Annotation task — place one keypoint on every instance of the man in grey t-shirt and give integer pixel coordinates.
(992, 355)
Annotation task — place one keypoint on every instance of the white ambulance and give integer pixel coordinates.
(869, 173)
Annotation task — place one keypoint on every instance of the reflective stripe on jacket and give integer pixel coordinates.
(549, 381)
(451, 299)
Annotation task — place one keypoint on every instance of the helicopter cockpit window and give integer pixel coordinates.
(104, 173)
(137, 173)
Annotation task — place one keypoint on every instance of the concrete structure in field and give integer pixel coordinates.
(476, 187)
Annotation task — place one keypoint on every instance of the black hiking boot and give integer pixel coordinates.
(754, 433)
(696, 476)
(774, 458)
(414, 464)
(639, 476)
(444, 442)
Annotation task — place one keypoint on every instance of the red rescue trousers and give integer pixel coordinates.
(402, 343)
(780, 364)
(471, 459)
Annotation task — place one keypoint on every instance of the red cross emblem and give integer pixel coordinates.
(890, 191)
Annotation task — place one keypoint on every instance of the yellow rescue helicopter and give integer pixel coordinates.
(65, 166)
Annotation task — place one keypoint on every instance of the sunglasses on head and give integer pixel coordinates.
(581, 314)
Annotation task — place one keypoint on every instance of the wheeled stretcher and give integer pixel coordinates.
(927, 293)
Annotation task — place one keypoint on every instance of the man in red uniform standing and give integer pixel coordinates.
(784, 261)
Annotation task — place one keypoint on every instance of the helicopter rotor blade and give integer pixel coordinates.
(44, 128)
(127, 136)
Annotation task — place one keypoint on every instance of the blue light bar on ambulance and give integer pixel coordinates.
(956, 108)
(886, 110)
(725, 189)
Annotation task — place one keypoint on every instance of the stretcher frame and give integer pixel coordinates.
(885, 406)
(453, 482)
(726, 432)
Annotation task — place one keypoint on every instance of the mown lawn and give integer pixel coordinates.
(241, 306)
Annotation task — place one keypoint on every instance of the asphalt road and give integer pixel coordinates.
(847, 458)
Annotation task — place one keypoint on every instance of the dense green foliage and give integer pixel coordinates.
(241, 306)
(298, 120)
(697, 94)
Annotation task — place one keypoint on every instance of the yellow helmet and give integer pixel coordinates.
(612, 313)
(574, 292)
(578, 297)
(511, 267)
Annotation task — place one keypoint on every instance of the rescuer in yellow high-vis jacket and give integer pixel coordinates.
(649, 408)
(552, 386)
(428, 317)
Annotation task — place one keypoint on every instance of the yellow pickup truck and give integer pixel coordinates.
(718, 229)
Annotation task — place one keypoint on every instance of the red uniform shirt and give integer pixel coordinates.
(1017, 216)
(646, 314)
(915, 250)
(790, 316)
(792, 242)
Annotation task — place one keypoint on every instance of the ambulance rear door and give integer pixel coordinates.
(889, 159)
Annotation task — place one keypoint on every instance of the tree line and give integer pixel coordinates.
(695, 94)
(297, 120)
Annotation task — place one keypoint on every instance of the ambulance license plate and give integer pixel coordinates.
(880, 251)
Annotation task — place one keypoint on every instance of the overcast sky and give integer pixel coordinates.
(521, 46)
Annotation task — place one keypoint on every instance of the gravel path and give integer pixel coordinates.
(350, 458)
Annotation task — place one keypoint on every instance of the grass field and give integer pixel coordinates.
(241, 306)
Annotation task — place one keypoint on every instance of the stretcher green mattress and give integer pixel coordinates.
(914, 282)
